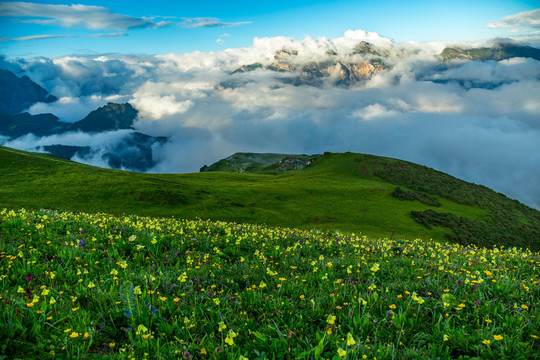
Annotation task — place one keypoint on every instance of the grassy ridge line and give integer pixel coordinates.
(347, 192)
(82, 285)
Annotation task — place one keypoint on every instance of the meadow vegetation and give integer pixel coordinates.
(346, 192)
(78, 285)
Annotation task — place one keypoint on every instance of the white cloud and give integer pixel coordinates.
(94, 18)
(522, 19)
(203, 22)
(91, 17)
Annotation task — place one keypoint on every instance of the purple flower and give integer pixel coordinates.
(81, 242)
(29, 277)
(459, 282)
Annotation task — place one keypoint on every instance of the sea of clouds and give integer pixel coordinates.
(479, 121)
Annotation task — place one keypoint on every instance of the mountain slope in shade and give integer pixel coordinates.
(18, 94)
(21, 124)
(109, 117)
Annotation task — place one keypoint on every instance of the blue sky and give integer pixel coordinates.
(160, 27)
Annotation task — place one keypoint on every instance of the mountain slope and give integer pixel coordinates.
(499, 51)
(18, 94)
(344, 192)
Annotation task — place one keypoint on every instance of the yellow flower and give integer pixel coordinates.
(176, 299)
(242, 358)
(20, 290)
(30, 304)
(229, 341)
(302, 296)
(162, 298)
(498, 337)
(114, 272)
(341, 352)
(75, 309)
(123, 264)
(392, 306)
(445, 337)
(45, 292)
(137, 290)
(350, 340)
(524, 307)
(375, 268)
(222, 326)
(486, 342)
(331, 319)
(262, 284)
(216, 301)
(67, 330)
(111, 345)
(85, 337)
(74, 335)
(141, 329)
(183, 277)
(146, 336)
(91, 285)
(203, 351)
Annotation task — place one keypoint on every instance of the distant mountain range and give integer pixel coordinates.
(133, 152)
(499, 51)
(339, 72)
(366, 60)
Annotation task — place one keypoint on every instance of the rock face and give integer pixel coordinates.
(339, 72)
(499, 51)
(109, 117)
(18, 94)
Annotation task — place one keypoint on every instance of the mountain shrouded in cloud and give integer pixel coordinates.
(477, 120)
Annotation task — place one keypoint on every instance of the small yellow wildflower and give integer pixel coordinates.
(341, 352)
(222, 326)
(331, 319)
(350, 340)
(498, 337)
(74, 335)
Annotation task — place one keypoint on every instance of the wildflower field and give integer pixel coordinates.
(77, 285)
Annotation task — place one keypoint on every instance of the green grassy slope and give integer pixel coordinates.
(346, 192)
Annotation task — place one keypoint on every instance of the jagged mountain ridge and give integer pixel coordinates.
(338, 71)
(365, 60)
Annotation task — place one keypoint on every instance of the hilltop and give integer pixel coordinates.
(365, 194)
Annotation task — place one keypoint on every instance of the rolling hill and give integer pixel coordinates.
(365, 194)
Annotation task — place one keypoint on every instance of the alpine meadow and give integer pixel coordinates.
(203, 180)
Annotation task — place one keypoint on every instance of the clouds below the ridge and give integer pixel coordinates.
(477, 121)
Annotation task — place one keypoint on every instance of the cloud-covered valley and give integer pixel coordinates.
(477, 120)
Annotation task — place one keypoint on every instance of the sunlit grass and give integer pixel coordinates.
(76, 285)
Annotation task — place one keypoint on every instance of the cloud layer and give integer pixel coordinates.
(479, 121)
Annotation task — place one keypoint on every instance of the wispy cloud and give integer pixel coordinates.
(521, 19)
(98, 17)
(202, 22)
(45, 37)
(91, 17)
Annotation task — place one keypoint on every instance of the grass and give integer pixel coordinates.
(346, 192)
(78, 285)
